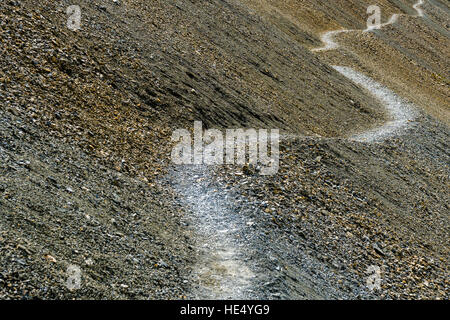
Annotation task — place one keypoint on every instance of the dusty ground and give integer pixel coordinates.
(414, 50)
(411, 56)
(85, 174)
(337, 207)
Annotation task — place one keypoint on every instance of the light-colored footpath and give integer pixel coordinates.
(222, 271)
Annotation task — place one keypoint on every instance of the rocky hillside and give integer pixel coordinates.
(86, 179)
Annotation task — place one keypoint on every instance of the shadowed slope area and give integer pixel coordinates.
(86, 176)
(166, 61)
(411, 56)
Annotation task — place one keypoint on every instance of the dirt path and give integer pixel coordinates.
(223, 271)
(400, 111)
(328, 37)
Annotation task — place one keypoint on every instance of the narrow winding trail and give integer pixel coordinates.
(223, 270)
(400, 111)
(328, 37)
